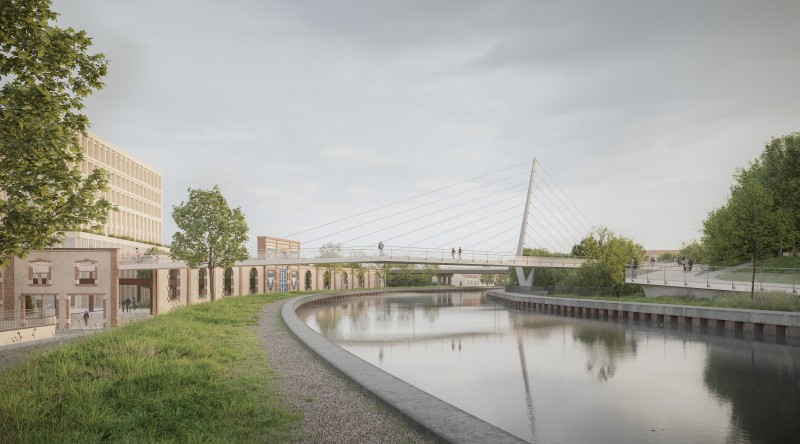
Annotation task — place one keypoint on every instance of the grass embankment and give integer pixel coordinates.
(774, 300)
(197, 374)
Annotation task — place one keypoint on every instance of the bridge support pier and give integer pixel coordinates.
(524, 281)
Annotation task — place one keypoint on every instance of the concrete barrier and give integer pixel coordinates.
(779, 323)
(443, 421)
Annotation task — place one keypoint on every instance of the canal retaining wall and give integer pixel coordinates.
(777, 323)
(444, 422)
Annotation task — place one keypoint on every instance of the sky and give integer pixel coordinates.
(305, 112)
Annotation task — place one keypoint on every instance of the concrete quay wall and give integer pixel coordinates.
(444, 422)
(776, 323)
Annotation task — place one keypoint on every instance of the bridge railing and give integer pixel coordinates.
(389, 252)
(738, 278)
(433, 254)
(30, 318)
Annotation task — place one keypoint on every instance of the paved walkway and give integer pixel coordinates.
(335, 411)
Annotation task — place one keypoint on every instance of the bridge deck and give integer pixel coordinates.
(473, 260)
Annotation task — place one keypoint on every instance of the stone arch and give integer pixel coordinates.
(361, 278)
(345, 283)
(326, 280)
(227, 282)
(308, 280)
(174, 283)
(253, 281)
(202, 282)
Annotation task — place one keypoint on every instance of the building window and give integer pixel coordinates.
(86, 272)
(174, 284)
(202, 287)
(39, 273)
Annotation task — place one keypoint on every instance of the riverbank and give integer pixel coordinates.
(775, 324)
(202, 373)
(769, 301)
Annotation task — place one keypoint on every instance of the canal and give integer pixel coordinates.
(559, 379)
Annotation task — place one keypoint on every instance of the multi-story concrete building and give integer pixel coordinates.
(134, 188)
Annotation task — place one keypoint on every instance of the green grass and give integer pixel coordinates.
(197, 374)
(772, 300)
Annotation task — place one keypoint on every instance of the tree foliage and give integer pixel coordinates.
(45, 73)
(331, 250)
(761, 217)
(408, 275)
(210, 233)
(692, 250)
(607, 254)
(748, 227)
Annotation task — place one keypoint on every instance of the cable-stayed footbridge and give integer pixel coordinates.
(485, 221)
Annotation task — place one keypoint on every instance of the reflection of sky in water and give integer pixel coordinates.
(589, 381)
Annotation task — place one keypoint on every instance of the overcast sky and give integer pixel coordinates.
(310, 111)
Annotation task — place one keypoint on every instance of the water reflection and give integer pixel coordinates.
(550, 378)
(526, 379)
(605, 348)
(762, 384)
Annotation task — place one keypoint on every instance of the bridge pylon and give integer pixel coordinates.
(525, 281)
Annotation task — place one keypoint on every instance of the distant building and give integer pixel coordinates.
(467, 280)
(657, 253)
(53, 289)
(134, 188)
(55, 282)
(275, 247)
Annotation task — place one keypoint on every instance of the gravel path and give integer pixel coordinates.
(335, 410)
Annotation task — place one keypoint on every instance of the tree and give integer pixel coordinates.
(748, 227)
(496, 279)
(210, 232)
(45, 73)
(693, 250)
(778, 170)
(331, 250)
(607, 255)
(410, 275)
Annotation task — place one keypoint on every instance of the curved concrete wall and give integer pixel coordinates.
(443, 421)
(778, 323)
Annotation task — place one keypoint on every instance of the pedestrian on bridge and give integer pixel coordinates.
(459, 253)
(453, 252)
(380, 247)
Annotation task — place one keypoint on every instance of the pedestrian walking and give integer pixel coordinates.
(453, 252)
(86, 318)
(459, 253)
(127, 304)
(633, 267)
(691, 263)
(380, 247)
(138, 255)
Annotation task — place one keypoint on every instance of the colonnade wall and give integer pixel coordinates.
(180, 287)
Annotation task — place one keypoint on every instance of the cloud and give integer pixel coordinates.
(317, 110)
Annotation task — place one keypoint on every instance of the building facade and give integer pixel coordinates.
(57, 287)
(134, 188)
